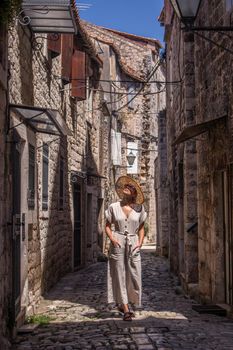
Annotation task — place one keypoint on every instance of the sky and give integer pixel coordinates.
(132, 16)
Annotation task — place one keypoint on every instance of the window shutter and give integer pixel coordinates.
(79, 75)
(66, 56)
(116, 147)
(54, 44)
(131, 94)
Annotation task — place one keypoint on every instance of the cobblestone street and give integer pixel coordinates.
(83, 320)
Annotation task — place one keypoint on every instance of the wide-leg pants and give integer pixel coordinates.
(124, 270)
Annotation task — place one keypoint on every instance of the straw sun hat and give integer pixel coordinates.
(126, 180)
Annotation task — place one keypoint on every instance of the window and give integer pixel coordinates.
(131, 94)
(31, 177)
(61, 185)
(229, 5)
(45, 177)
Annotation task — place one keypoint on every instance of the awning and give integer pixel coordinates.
(53, 16)
(195, 130)
(96, 175)
(44, 120)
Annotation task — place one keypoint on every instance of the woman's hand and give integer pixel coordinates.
(138, 246)
(115, 243)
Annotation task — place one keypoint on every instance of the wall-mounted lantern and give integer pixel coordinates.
(131, 158)
(187, 11)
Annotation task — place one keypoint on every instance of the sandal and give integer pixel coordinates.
(127, 316)
(121, 310)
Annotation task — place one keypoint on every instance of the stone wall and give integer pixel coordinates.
(5, 203)
(200, 172)
(161, 187)
(214, 100)
(181, 158)
(131, 61)
(35, 81)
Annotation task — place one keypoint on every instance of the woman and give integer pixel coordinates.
(124, 268)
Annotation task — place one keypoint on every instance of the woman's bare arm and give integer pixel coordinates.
(110, 235)
(141, 234)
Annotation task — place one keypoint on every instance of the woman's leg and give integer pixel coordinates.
(133, 280)
(117, 278)
(125, 308)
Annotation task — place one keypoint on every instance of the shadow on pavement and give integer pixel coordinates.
(84, 320)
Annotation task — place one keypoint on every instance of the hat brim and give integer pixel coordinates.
(125, 180)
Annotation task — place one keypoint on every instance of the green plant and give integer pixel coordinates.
(39, 319)
(8, 10)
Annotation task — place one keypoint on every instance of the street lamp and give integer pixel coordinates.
(187, 11)
(131, 158)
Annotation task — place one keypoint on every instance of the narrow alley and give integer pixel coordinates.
(81, 318)
(116, 138)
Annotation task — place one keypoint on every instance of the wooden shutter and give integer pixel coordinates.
(54, 44)
(66, 56)
(79, 75)
(116, 147)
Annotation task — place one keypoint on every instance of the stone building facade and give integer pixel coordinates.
(5, 201)
(67, 103)
(132, 70)
(199, 153)
(161, 188)
(55, 178)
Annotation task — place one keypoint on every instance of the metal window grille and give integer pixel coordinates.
(31, 178)
(45, 177)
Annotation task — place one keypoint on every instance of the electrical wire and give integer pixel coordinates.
(105, 80)
(144, 85)
(118, 87)
(213, 42)
(28, 119)
(125, 81)
(226, 34)
(49, 142)
(118, 93)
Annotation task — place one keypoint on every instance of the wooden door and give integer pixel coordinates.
(77, 241)
(16, 256)
(228, 232)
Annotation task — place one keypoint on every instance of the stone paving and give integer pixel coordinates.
(83, 320)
